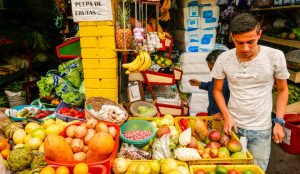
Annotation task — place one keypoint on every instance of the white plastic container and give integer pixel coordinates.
(188, 40)
(209, 16)
(207, 39)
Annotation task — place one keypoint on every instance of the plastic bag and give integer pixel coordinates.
(187, 154)
(73, 76)
(64, 88)
(161, 148)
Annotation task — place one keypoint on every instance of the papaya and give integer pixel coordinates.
(100, 146)
(57, 149)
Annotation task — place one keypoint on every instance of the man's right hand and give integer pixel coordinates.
(229, 124)
(194, 82)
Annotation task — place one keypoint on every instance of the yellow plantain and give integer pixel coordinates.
(147, 62)
(128, 72)
(163, 6)
(135, 61)
(139, 64)
(168, 4)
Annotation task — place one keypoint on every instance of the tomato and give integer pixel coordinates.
(232, 171)
(68, 114)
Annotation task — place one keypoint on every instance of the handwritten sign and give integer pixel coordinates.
(91, 10)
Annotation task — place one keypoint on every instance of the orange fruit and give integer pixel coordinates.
(47, 170)
(81, 168)
(3, 144)
(5, 153)
(62, 170)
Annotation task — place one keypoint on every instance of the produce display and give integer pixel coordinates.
(80, 168)
(294, 93)
(90, 141)
(223, 169)
(137, 135)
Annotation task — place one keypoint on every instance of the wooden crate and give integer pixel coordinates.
(290, 109)
(294, 76)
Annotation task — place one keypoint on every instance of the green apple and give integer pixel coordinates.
(158, 62)
(156, 57)
(39, 133)
(162, 59)
(34, 143)
(168, 62)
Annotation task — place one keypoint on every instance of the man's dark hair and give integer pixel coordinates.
(212, 56)
(243, 23)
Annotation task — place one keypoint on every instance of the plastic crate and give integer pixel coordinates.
(107, 162)
(96, 169)
(179, 163)
(209, 168)
(291, 143)
(213, 124)
(64, 117)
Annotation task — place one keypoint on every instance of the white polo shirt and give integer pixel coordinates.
(250, 84)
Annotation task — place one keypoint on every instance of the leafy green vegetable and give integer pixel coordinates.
(75, 63)
(82, 88)
(72, 98)
(46, 85)
(73, 76)
(63, 88)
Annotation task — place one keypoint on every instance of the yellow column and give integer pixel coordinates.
(99, 59)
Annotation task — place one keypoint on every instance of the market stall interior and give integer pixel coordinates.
(90, 87)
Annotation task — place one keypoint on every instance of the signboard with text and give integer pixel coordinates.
(91, 10)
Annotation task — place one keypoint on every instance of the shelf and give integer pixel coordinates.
(289, 43)
(277, 8)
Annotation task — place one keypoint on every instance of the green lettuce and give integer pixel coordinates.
(46, 85)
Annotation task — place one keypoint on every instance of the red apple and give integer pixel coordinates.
(213, 144)
(224, 139)
(214, 135)
(234, 145)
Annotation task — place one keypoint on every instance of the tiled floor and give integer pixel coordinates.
(282, 162)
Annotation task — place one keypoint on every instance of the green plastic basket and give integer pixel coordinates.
(132, 125)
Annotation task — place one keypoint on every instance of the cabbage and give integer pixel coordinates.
(73, 76)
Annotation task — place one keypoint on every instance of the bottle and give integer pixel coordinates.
(243, 141)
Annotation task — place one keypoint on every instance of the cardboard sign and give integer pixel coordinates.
(91, 10)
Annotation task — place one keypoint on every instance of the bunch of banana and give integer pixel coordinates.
(141, 63)
(164, 14)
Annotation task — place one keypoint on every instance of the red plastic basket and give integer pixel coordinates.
(96, 169)
(291, 143)
(107, 162)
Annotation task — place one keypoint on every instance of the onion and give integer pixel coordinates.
(89, 135)
(80, 156)
(77, 145)
(68, 140)
(120, 165)
(101, 127)
(112, 131)
(70, 132)
(91, 124)
(80, 131)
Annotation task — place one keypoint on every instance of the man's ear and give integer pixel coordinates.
(231, 35)
(260, 33)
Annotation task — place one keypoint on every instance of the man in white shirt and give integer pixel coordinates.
(251, 71)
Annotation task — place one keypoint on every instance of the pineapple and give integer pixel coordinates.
(123, 18)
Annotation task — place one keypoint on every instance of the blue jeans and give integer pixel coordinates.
(259, 145)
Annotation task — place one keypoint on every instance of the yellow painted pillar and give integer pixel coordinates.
(99, 59)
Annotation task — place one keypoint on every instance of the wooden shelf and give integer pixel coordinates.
(289, 43)
(277, 8)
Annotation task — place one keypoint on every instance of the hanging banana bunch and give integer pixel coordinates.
(164, 14)
(141, 63)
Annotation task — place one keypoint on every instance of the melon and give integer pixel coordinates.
(11, 129)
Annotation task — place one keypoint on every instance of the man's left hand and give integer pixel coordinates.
(278, 133)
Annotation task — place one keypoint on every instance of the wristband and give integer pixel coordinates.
(279, 120)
